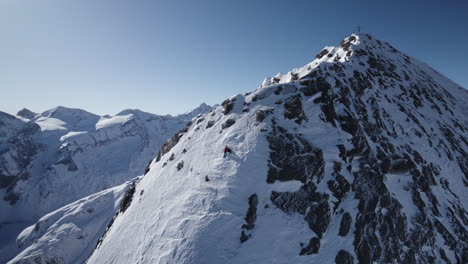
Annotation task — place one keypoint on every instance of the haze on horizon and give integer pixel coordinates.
(166, 57)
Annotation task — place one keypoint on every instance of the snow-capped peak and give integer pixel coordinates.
(201, 109)
(357, 157)
(349, 51)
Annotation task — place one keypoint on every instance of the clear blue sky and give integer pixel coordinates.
(168, 56)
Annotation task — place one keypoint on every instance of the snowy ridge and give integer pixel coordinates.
(357, 157)
(75, 228)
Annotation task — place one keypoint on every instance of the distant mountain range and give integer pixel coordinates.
(54, 158)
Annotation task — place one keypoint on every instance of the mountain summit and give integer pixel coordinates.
(357, 157)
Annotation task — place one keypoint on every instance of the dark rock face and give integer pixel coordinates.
(345, 224)
(318, 215)
(166, 147)
(294, 109)
(127, 200)
(401, 165)
(210, 124)
(261, 114)
(250, 217)
(66, 158)
(228, 123)
(180, 165)
(339, 186)
(346, 43)
(343, 257)
(321, 54)
(314, 86)
(312, 248)
(293, 158)
(381, 150)
(147, 168)
(227, 105)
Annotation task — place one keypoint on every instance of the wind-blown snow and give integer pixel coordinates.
(50, 124)
(115, 120)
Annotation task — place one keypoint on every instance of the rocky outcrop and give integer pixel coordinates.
(166, 147)
(228, 123)
(293, 158)
(345, 224)
(250, 218)
(312, 248)
(294, 109)
(344, 257)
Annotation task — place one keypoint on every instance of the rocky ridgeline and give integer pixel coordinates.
(372, 98)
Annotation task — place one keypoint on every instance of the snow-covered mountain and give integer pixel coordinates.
(201, 109)
(357, 157)
(51, 159)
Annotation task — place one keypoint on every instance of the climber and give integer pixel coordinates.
(227, 151)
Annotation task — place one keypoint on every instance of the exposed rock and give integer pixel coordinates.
(312, 248)
(147, 168)
(401, 166)
(166, 147)
(127, 200)
(228, 105)
(261, 114)
(243, 237)
(318, 216)
(180, 165)
(339, 186)
(346, 43)
(319, 213)
(251, 212)
(294, 109)
(293, 158)
(250, 217)
(343, 257)
(321, 54)
(67, 160)
(345, 224)
(228, 123)
(210, 124)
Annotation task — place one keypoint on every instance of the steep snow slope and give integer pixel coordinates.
(64, 154)
(75, 229)
(357, 157)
